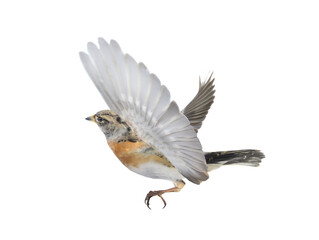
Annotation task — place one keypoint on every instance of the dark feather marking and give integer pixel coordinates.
(232, 157)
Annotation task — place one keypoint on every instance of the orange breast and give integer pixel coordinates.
(131, 154)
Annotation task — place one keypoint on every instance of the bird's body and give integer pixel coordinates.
(143, 159)
(134, 153)
(146, 130)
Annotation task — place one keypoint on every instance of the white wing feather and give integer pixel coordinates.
(138, 97)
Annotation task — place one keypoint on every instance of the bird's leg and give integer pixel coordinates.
(178, 186)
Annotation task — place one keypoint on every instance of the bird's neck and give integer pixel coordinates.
(121, 134)
(116, 134)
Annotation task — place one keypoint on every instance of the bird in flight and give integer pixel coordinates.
(145, 129)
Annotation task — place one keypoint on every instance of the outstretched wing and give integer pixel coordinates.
(197, 109)
(139, 98)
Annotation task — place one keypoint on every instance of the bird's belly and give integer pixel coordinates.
(143, 159)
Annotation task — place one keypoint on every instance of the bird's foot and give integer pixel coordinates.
(152, 194)
(178, 186)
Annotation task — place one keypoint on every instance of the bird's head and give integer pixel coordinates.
(111, 124)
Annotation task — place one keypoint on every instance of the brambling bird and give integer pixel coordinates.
(145, 129)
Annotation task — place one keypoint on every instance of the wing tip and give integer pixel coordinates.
(199, 179)
(82, 54)
(114, 44)
(102, 41)
(84, 57)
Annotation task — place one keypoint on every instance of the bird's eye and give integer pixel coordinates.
(99, 119)
(118, 119)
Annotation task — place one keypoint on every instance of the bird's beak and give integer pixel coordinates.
(91, 118)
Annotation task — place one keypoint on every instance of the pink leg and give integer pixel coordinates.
(178, 186)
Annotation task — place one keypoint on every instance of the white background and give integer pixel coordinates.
(59, 179)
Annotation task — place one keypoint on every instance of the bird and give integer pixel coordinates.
(145, 129)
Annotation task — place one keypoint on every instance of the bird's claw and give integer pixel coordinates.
(152, 194)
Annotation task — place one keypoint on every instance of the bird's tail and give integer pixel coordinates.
(247, 157)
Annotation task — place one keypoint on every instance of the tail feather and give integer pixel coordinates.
(239, 157)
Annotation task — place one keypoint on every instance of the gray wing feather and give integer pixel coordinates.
(140, 98)
(197, 109)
